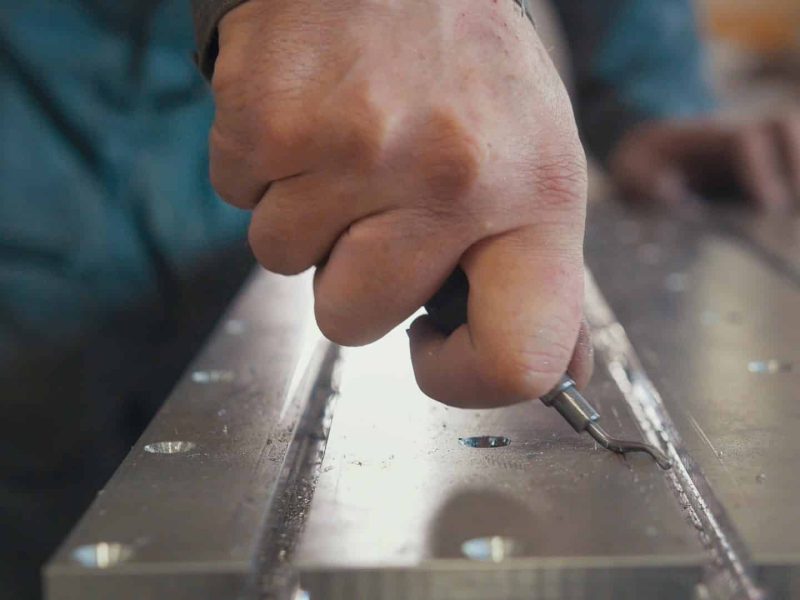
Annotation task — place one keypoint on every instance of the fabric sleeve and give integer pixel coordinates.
(207, 15)
(633, 61)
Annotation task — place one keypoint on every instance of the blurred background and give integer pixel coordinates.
(116, 259)
(754, 47)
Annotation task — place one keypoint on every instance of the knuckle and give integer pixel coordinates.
(222, 151)
(266, 126)
(561, 181)
(365, 135)
(279, 130)
(231, 169)
(227, 76)
(231, 79)
(450, 156)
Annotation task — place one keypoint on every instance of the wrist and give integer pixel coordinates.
(209, 13)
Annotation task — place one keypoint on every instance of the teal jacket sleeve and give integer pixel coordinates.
(634, 61)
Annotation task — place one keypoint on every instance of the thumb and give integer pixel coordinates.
(524, 314)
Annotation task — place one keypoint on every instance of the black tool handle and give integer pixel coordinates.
(448, 307)
(448, 310)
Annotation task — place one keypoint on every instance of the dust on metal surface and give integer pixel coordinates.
(183, 516)
(401, 498)
(402, 508)
(721, 355)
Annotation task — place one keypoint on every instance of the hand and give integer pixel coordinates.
(665, 161)
(389, 142)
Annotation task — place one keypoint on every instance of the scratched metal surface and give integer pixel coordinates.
(189, 524)
(775, 239)
(398, 495)
(711, 303)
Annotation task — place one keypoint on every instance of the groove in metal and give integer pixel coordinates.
(731, 574)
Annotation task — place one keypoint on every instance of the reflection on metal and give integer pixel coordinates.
(191, 525)
(399, 509)
(172, 447)
(731, 566)
(213, 376)
(102, 555)
(770, 367)
(741, 303)
(495, 548)
(484, 441)
(398, 506)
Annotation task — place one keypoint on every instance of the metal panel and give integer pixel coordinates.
(184, 515)
(398, 492)
(402, 509)
(712, 306)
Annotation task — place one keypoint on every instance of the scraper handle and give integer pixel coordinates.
(448, 307)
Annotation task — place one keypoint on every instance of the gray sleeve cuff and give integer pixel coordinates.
(207, 14)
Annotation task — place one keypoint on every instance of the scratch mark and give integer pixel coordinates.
(703, 435)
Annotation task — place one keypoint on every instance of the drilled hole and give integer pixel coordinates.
(769, 367)
(485, 441)
(170, 447)
(101, 555)
(493, 549)
(213, 376)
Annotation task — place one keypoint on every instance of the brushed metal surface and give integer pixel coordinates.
(714, 313)
(189, 504)
(399, 493)
(400, 508)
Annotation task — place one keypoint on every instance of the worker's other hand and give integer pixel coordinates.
(670, 161)
(389, 142)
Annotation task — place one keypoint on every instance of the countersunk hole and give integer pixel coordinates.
(769, 366)
(171, 447)
(101, 555)
(493, 549)
(485, 441)
(213, 376)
